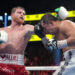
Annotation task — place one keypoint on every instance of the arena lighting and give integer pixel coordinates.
(36, 38)
(34, 17)
(1, 18)
(9, 18)
(5, 19)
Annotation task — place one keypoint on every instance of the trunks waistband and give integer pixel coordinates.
(69, 53)
(12, 59)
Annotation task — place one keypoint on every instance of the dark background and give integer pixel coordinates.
(35, 6)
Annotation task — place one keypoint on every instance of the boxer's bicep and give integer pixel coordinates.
(29, 30)
(27, 34)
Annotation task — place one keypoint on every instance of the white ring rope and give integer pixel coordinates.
(34, 68)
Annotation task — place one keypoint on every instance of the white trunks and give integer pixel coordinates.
(67, 67)
(17, 59)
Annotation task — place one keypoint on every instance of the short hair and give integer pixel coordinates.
(14, 9)
(48, 17)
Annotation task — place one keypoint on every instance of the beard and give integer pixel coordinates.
(19, 20)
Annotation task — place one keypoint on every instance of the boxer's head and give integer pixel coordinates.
(48, 22)
(18, 14)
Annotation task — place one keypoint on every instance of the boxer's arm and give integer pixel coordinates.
(29, 30)
(68, 29)
(50, 44)
(39, 30)
(71, 40)
(54, 44)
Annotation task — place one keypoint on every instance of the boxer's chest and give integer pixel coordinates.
(15, 35)
(16, 42)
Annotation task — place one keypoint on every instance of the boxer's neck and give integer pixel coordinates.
(15, 24)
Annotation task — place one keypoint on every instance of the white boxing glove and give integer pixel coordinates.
(3, 36)
(63, 13)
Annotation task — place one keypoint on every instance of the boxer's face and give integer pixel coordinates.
(49, 28)
(18, 15)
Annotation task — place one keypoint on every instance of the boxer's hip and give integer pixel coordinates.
(17, 59)
(69, 56)
(68, 64)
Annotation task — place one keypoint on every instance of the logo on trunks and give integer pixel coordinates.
(8, 57)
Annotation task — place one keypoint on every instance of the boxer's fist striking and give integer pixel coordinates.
(39, 30)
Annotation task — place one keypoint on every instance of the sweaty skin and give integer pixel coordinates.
(62, 30)
(18, 38)
(67, 31)
(18, 34)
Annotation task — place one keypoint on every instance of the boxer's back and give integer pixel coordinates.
(67, 30)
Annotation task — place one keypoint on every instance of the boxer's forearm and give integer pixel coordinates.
(66, 43)
(71, 41)
(54, 44)
(59, 44)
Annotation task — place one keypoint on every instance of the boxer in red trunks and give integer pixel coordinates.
(13, 41)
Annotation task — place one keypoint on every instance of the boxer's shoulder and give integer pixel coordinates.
(5, 29)
(67, 27)
(68, 22)
(29, 28)
(65, 23)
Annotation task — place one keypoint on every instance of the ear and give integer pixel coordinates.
(42, 23)
(11, 15)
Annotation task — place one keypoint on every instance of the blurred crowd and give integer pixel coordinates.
(37, 55)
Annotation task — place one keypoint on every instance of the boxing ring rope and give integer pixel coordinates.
(42, 68)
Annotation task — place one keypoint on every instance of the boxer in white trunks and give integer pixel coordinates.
(64, 38)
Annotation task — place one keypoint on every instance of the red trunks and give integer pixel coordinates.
(10, 69)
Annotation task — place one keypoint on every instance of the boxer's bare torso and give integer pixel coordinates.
(18, 38)
(67, 30)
